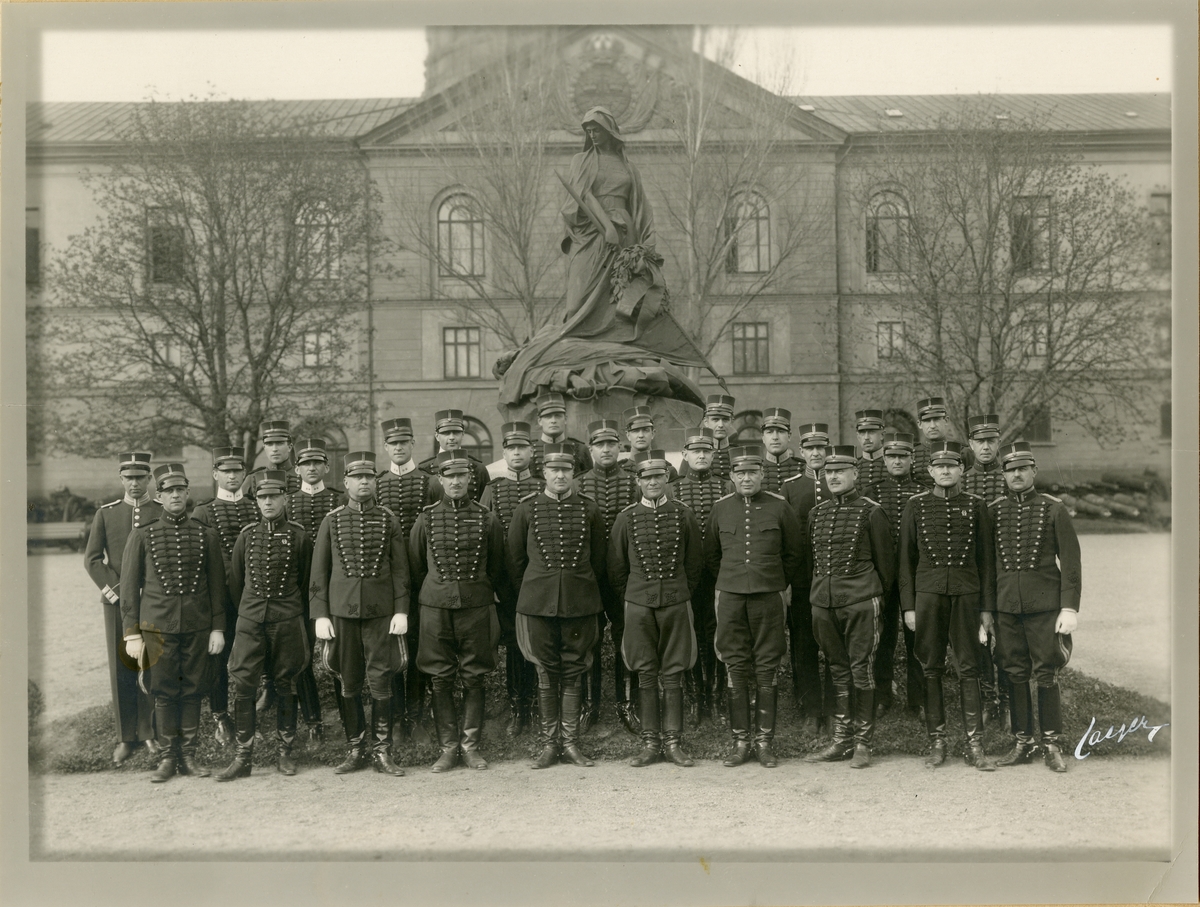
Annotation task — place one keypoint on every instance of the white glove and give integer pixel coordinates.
(1067, 622)
(987, 626)
(399, 625)
(135, 646)
(216, 642)
(324, 628)
(910, 620)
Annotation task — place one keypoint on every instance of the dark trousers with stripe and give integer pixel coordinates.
(849, 636)
(1027, 648)
(560, 647)
(658, 641)
(280, 649)
(458, 642)
(749, 638)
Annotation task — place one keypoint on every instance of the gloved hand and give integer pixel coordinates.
(135, 646)
(910, 620)
(1067, 622)
(399, 625)
(324, 628)
(987, 626)
(216, 642)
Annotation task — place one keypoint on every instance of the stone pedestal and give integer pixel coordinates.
(671, 417)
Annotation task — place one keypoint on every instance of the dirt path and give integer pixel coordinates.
(1101, 808)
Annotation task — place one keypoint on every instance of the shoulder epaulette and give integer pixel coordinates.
(336, 509)
(726, 497)
(920, 494)
(152, 522)
(1051, 497)
(532, 494)
(821, 504)
(585, 496)
(629, 506)
(111, 503)
(997, 501)
(292, 522)
(684, 504)
(388, 511)
(972, 494)
(776, 495)
(869, 500)
(430, 506)
(798, 475)
(252, 525)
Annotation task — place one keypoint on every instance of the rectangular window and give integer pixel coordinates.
(169, 350)
(462, 352)
(749, 232)
(165, 254)
(1160, 225)
(319, 244)
(33, 247)
(1029, 233)
(1037, 338)
(889, 339)
(751, 348)
(1037, 425)
(317, 349)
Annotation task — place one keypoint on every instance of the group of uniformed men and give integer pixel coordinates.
(704, 576)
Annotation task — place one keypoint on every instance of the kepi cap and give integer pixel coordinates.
(360, 463)
(868, 420)
(638, 417)
(311, 449)
(931, 408)
(168, 475)
(898, 442)
(272, 481)
(448, 420)
(841, 455)
(775, 417)
(700, 439)
(134, 462)
(558, 455)
(397, 429)
(1019, 453)
(234, 457)
(946, 452)
(450, 462)
(603, 430)
(650, 462)
(987, 426)
(749, 456)
(275, 430)
(719, 405)
(813, 433)
(551, 403)
(513, 434)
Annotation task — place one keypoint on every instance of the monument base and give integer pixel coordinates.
(672, 418)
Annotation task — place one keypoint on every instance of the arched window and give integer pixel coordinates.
(746, 428)
(477, 440)
(748, 228)
(318, 242)
(460, 238)
(888, 233)
(900, 420)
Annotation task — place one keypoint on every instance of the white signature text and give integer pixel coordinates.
(1090, 737)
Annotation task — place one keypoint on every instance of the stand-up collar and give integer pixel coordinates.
(404, 470)
(312, 489)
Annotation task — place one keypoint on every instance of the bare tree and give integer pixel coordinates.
(220, 285)
(1017, 274)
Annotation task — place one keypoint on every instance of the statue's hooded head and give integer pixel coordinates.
(600, 116)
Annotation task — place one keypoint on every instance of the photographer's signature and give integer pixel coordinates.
(1091, 738)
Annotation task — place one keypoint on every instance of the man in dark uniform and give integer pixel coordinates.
(556, 554)
(501, 497)
(359, 594)
(268, 578)
(308, 507)
(276, 438)
(699, 490)
(754, 547)
(552, 420)
(654, 563)
(1038, 585)
(405, 489)
(133, 709)
(639, 432)
(935, 427)
(869, 424)
(227, 513)
(853, 564)
(173, 613)
(947, 591)
(613, 488)
(779, 464)
(457, 553)
(718, 416)
(985, 478)
(448, 427)
(892, 493)
(812, 690)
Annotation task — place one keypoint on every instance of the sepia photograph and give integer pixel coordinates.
(591, 456)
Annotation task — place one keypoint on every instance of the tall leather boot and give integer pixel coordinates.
(512, 685)
(528, 692)
(445, 725)
(399, 706)
(719, 691)
(863, 703)
(166, 718)
(569, 722)
(842, 744)
(1050, 716)
(266, 696)
(739, 725)
(356, 734)
(310, 704)
(285, 732)
(549, 703)
(935, 721)
(189, 734)
(592, 683)
(223, 729)
(414, 703)
(244, 715)
(1021, 706)
(972, 711)
(673, 727)
(622, 693)
(472, 727)
(651, 729)
(765, 706)
(381, 732)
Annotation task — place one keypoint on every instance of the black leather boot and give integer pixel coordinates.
(472, 727)
(381, 733)
(863, 703)
(166, 717)
(549, 703)
(739, 724)
(592, 687)
(569, 722)
(1025, 749)
(189, 734)
(266, 697)
(356, 734)
(766, 703)
(719, 691)
(285, 732)
(244, 715)
(673, 727)
(972, 710)
(651, 729)
(445, 725)
(1050, 716)
(842, 745)
(935, 721)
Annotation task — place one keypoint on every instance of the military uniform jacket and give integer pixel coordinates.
(754, 544)
(871, 471)
(172, 578)
(228, 518)
(106, 542)
(477, 483)
(776, 472)
(505, 492)
(985, 481)
(457, 554)
(853, 558)
(309, 509)
(946, 548)
(806, 491)
(1037, 554)
(556, 555)
(700, 490)
(269, 571)
(612, 489)
(360, 565)
(583, 459)
(655, 554)
(892, 494)
(406, 495)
